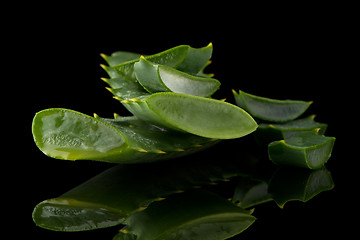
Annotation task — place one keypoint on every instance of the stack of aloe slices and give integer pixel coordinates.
(169, 95)
(292, 140)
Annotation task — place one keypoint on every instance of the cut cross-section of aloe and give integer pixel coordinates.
(268, 109)
(305, 149)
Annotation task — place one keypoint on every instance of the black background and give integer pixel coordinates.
(54, 61)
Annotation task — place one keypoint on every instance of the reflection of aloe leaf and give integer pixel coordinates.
(70, 135)
(298, 184)
(195, 215)
(250, 192)
(107, 199)
(270, 109)
(305, 149)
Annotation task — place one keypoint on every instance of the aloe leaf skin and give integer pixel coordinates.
(289, 184)
(195, 214)
(196, 59)
(119, 57)
(196, 115)
(269, 132)
(147, 74)
(271, 110)
(173, 57)
(160, 78)
(70, 135)
(305, 149)
(110, 197)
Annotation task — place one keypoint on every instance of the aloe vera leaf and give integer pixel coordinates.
(173, 57)
(305, 149)
(197, 115)
(272, 110)
(160, 78)
(289, 184)
(70, 135)
(269, 132)
(195, 214)
(110, 197)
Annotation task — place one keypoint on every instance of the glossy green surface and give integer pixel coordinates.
(305, 149)
(272, 110)
(70, 135)
(195, 215)
(200, 116)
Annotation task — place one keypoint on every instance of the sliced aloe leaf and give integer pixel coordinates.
(160, 78)
(272, 110)
(190, 61)
(197, 115)
(195, 215)
(288, 184)
(109, 198)
(305, 149)
(269, 132)
(70, 135)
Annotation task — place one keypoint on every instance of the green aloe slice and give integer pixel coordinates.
(269, 132)
(197, 115)
(184, 57)
(305, 149)
(288, 184)
(112, 196)
(272, 110)
(70, 135)
(161, 78)
(195, 215)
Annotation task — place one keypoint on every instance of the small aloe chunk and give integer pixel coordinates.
(272, 110)
(305, 149)
(269, 132)
(70, 135)
(195, 215)
(197, 115)
(160, 78)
